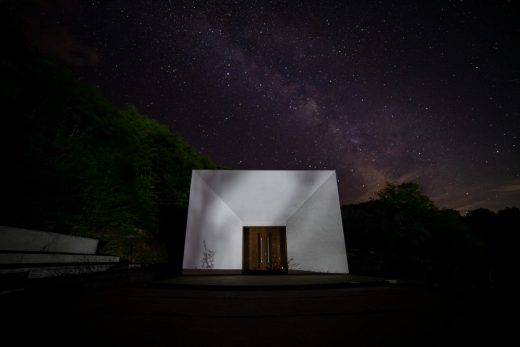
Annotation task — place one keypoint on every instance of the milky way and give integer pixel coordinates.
(379, 92)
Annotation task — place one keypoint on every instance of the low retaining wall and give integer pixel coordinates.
(24, 240)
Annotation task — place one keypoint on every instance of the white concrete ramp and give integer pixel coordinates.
(25, 240)
(44, 254)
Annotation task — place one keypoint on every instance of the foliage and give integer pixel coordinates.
(399, 221)
(403, 221)
(405, 196)
(73, 163)
(416, 236)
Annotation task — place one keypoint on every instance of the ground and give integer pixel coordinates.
(121, 312)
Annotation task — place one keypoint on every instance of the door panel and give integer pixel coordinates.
(264, 250)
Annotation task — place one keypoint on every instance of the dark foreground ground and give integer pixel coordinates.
(124, 311)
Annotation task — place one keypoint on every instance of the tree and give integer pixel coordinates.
(76, 163)
(406, 195)
(410, 212)
(504, 245)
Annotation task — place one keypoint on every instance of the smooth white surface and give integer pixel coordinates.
(307, 202)
(16, 239)
(315, 239)
(263, 197)
(211, 220)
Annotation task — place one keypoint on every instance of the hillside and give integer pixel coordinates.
(73, 163)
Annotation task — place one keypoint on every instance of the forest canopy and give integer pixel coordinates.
(74, 163)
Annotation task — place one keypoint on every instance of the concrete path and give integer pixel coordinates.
(272, 281)
(122, 312)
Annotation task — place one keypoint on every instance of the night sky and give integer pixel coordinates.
(378, 91)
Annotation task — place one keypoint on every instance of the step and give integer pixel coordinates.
(53, 271)
(10, 258)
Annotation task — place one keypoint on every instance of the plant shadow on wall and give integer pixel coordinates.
(292, 265)
(208, 257)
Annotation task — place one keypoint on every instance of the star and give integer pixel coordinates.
(395, 97)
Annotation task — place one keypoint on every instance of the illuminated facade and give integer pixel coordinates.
(265, 221)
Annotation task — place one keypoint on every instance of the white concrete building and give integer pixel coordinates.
(265, 221)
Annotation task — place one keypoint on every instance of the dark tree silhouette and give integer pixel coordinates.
(410, 235)
(73, 163)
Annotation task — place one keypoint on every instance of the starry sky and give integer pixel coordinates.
(376, 90)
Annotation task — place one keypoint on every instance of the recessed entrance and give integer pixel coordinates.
(264, 250)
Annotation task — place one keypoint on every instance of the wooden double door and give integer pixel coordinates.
(264, 250)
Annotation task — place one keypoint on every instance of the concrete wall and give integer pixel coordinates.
(263, 197)
(52, 258)
(53, 271)
(315, 239)
(210, 220)
(307, 202)
(15, 239)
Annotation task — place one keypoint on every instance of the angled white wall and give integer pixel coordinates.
(211, 221)
(315, 239)
(222, 202)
